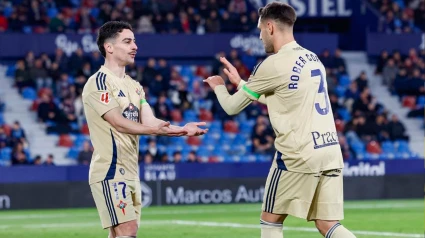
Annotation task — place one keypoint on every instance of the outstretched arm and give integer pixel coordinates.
(148, 118)
(235, 79)
(123, 125)
(231, 104)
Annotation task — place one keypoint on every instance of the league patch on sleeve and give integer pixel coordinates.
(104, 97)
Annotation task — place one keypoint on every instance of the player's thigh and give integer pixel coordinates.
(289, 192)
(328, 203)
(114, 202)
(126, 229)
(137, 199)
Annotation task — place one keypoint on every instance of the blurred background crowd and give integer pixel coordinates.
(176, 93)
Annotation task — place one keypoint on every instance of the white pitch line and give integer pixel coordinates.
(304, 229)
(199, 211)
(207, 224)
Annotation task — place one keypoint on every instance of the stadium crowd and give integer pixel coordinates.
(176, 92)
(171, 16)
(401, 16)
(405, 78)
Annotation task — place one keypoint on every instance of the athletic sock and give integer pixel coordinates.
(339, 231)
(271, 230)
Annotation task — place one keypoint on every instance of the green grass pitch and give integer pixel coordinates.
(381, 218)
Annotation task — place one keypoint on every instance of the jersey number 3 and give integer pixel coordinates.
(322, 89)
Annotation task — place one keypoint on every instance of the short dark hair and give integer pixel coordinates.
(280, 12)
(110, 30)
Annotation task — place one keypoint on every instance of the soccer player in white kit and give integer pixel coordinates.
(305, 179)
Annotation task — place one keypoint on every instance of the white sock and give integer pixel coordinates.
(271, 230)
(339, 231)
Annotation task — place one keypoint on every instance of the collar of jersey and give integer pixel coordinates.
(289, 45)
(108, 71)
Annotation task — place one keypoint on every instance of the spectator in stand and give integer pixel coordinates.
(345, 148)
(17, 133)
(389, 72)
(49, 161)
(40, 75)
(19, 156)
(162, 109)
(37, 160)
(149, 72)
(262, 141)
(396, 129)
(22, 77)
(4, 139)
(84, 157)
(382, 61)
(47, 110)
(177, 157)
(362, 81)
(326, 59)
(193, 157)
(153, 150)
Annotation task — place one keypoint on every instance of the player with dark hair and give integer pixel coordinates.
(305, 179)
(117, 113)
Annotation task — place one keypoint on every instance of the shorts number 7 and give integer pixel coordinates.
(123, 188)
(322, 89)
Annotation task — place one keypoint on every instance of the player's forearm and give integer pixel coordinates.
(262, 98)
(130, 127)
(231, 104)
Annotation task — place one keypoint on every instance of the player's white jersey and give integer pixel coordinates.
(294, 83)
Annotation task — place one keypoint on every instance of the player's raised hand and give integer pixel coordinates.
(193, 129)
(230, 71)
(214, 81)
(164, 129)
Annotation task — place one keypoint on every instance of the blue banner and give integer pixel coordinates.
(180, 45)
(377, 42)
(314, 8)
(170, 172)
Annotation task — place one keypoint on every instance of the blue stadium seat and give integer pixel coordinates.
(52, 12)
(203, 151)
(345, 114)
(190, 115)
(10, 72)
(370, 156)
(386, 156)
(344, 80)
(215, 127)
(421, 101)
(249, 158)
(340, 91)
(94, 12)
(388, 147)
(1, 119)
(5, 153)
(263, 158)
(74, 126)
(358, 147)
(73, 153)
(227, 138)
(29, 93)
(27, 29)
(178, 141)
(402, 146)
(7, 11)
(209, 139)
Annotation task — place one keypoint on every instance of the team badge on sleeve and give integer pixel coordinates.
(104, 97)
(138, 91)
